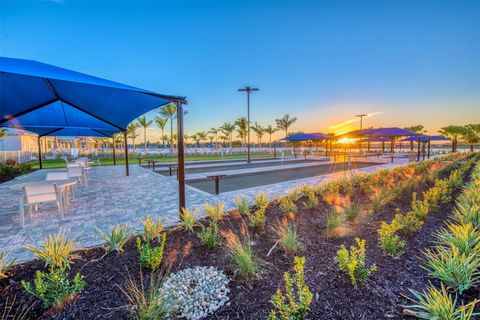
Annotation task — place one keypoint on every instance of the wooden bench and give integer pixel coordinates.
(217, 179)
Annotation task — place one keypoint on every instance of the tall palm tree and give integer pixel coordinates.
(285, 122)
(242, 125)
(169, 111)
(454, 133)
(201, 136)
(259, 131)
(214, 132)
(270, 131)
(419, 128)
(161, 122)
(143, 122)
(132, 133)
(471, 136)
(228, 129)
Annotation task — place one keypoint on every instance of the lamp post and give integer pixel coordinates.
(361, 119)
(248, 89)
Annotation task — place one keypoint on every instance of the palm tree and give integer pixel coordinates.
(259, 131)
(132, 133)
(169, 111)
(454, 133)
(242, 125)
(285, 123)
(201, 136)
(270, 131)
(419, 128)
(228, 129)
(143, 122)
(471, 135)
(214, 132)
(161, 122)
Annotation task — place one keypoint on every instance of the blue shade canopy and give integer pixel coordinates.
(378, 133)
(41, 98)
(425, 138)
(307, 137)
(374, 140)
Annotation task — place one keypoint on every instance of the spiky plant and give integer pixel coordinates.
(188, 219)
(152, 229)
(241, 254)
(56, 250)
(116, 238)
(287, 236)
(242, 205)
(216, 211)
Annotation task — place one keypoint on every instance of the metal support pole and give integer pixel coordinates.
(39, 153)
(326, 148)
(418, 148)
(248, 126)
(127, 169)
(274, 151)
(114, 156)
(181, 159)
(428, 155)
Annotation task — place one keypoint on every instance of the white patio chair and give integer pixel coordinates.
(77, 173)
(33, 195)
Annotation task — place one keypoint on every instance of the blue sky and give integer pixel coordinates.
(408, 61)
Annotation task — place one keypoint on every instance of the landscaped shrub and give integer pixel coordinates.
(312, 200)
(5, 264)
(116, 238)
(457, 270)
(188, 219)
(351, 213)
(54, 288)
(439, 305)
(295, 303)
(151, 257)
(438, 194)
(56, 251)
(287, 205)
(419, 208)
(295, 194)
(463, 236)
(10, 169)
(144, 302)
(468, 206)
(152, 229)
(241, 254)
(332, 222)
(242, 206)
(352, 262)
(407, 223)
(389, 240)
(216, 211)
(209, 235)
(257, 220)
(287, 236)
(261, 200)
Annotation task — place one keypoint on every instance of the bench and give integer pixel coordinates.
(217, 179)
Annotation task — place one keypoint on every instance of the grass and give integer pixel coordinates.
(241, 254)
(332, 221)
(287, 237)
(60, 163)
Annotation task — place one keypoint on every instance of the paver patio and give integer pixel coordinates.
(112, 198)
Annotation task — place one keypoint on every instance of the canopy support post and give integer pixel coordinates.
(114, 156)
(326, 148)
(180, 158)
(127, 170)
(418, 148)
(428, 154)
(39, 153)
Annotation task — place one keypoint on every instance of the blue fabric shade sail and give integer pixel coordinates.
(46, 99)
(379, 133)
(307, 137)
(374, 140)
(425, 138)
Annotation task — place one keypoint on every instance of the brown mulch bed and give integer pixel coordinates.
(333, 295)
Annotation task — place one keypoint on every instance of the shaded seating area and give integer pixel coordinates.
(313, 137)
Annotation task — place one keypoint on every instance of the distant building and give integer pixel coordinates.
(18, 140)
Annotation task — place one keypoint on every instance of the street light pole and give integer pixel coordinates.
(361, 118)
(248, 89)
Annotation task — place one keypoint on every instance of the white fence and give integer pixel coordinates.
(17, 156)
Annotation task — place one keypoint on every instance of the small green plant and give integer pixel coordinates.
(257, 220)
(455, 180)
(295, 303)
(116, 238)
(332, 221)
(151, 257)
(463, 236)
(351, 213)
(261, 200)
(420, 208)
(54, 288)
(295, 194)
(439, 305)
(242, 206)
(390, 242)
(457, 270)
(407, 223)
(188, 219)
(152, 229)
(287, 236)
(209, 235)
(144, 302)
(5, 264)
(312, 200)
(56, 251)
(241, 254)
(353, 262)
(216, 212)
(287, 205)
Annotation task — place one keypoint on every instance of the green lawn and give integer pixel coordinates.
(49, 164)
